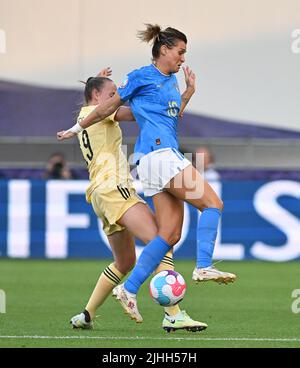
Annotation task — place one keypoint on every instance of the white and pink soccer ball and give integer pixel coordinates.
(167, 288)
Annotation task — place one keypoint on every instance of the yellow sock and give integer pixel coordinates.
(109, 278)
(167, 263)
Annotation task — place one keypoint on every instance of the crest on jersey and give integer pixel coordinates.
(124, 83)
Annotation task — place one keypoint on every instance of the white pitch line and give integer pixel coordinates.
(150, 338)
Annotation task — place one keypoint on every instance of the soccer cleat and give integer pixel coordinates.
(182, 321)
(79, 321)
(128, 302)
(211, 273)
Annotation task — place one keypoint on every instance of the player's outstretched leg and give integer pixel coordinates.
(108, 279)
(148, 261)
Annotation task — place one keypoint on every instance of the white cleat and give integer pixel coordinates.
(211, 273)
(128, 302)
(79, 321)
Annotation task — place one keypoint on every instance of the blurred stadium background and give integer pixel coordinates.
(246, 55)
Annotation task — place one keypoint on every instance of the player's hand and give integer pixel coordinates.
(190, 78)
(64, 135)
(105, 72)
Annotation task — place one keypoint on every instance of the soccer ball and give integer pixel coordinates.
(167, 288)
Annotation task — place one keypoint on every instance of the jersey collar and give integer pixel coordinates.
(165, 75)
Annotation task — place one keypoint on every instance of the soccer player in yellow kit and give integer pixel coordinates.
(123, 213)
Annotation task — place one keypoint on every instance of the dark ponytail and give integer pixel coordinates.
(168, 37)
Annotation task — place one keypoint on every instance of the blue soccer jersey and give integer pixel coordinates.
(155, 101)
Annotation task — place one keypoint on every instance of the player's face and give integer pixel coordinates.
(175, 56)
(107, 92)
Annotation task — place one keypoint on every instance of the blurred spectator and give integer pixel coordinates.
(57, 168)
(204, 160)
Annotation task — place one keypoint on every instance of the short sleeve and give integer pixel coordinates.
(130, 86)
(113, 115)
(111, 118)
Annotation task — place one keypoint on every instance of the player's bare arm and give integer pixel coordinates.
(102, 111)
(190, 80)
(124, 113)
(98, 114)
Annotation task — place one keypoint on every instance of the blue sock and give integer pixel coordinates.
(148, 261)
(206, 236)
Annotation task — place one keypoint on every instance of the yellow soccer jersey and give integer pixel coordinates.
(101, 148)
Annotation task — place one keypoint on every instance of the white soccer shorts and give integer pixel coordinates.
(157, 168)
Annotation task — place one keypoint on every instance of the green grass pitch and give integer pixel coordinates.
(42, 295)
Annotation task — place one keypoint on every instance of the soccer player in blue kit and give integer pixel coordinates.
(166, 175)
(123, 213)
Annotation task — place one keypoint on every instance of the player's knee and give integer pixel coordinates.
(174, 239)
(214, 203)
(171, 238)
(219, 204)
(147, 237)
